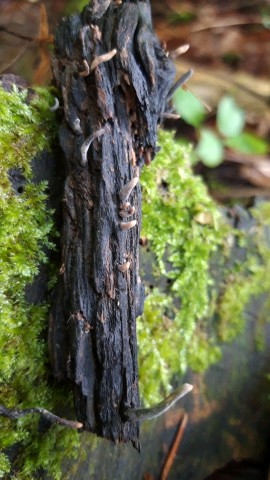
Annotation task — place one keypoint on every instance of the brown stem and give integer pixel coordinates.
(174, 447)
(15, 414)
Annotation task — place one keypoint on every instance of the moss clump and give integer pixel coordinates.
(27, 126)
(204, 294)
(25, 226)
(4, 465)
(184, 227)
(247, 279)
(74, 6)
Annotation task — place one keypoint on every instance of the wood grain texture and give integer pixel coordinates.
(92, 334)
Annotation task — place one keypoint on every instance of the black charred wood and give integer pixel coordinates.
(111, 113)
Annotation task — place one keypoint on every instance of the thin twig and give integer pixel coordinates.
(17, 35)
(170, 116)
(15, 414)
(174, 447)
(227, 25)
(8, 65)
(204, 104)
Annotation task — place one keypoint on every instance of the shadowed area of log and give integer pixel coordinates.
(245, 469)
(114, 80)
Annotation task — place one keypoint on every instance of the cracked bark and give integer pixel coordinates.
(111, 108)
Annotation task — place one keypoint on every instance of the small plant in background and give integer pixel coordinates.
(228, 132)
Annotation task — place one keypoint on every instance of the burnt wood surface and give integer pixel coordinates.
(111, 107)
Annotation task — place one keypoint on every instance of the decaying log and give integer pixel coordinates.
(114, 78)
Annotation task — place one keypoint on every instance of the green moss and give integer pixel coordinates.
(192, 249)
(184, 227)
(27, 126)
(25, 227)
(74, 6)
(247, 279)
(46, 452)
(4, 465)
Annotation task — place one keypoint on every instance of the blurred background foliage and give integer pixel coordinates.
(224, 108)
(223, 136)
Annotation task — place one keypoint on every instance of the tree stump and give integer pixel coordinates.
(115, 80)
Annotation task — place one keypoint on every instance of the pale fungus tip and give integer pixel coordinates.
(76, 126)
(124, 213)
(105, 57)
(86, 69)
(128, 225)
(55, 105)
(179, 51)
(123, 267)
(188, 387)
(127, 189)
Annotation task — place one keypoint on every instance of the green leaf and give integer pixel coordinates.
(188, 107)
(248, 143)
(181, 17)
(266, 18)
(230, 118)
(73, 6)
(209, 149)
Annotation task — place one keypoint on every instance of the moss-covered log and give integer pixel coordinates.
(115, 79)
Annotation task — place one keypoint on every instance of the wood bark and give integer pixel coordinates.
(111, 107)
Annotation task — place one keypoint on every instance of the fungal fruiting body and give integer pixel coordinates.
(123, 267)
(102, 58)
(142, 414)
(127, 189)
(181, 81)
(128, 225)
(124, 213)
(179, 51)
(126, 209)
(55, 105)
(86, 70)
(86, 145)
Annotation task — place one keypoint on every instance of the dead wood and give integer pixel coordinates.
(114, 78)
